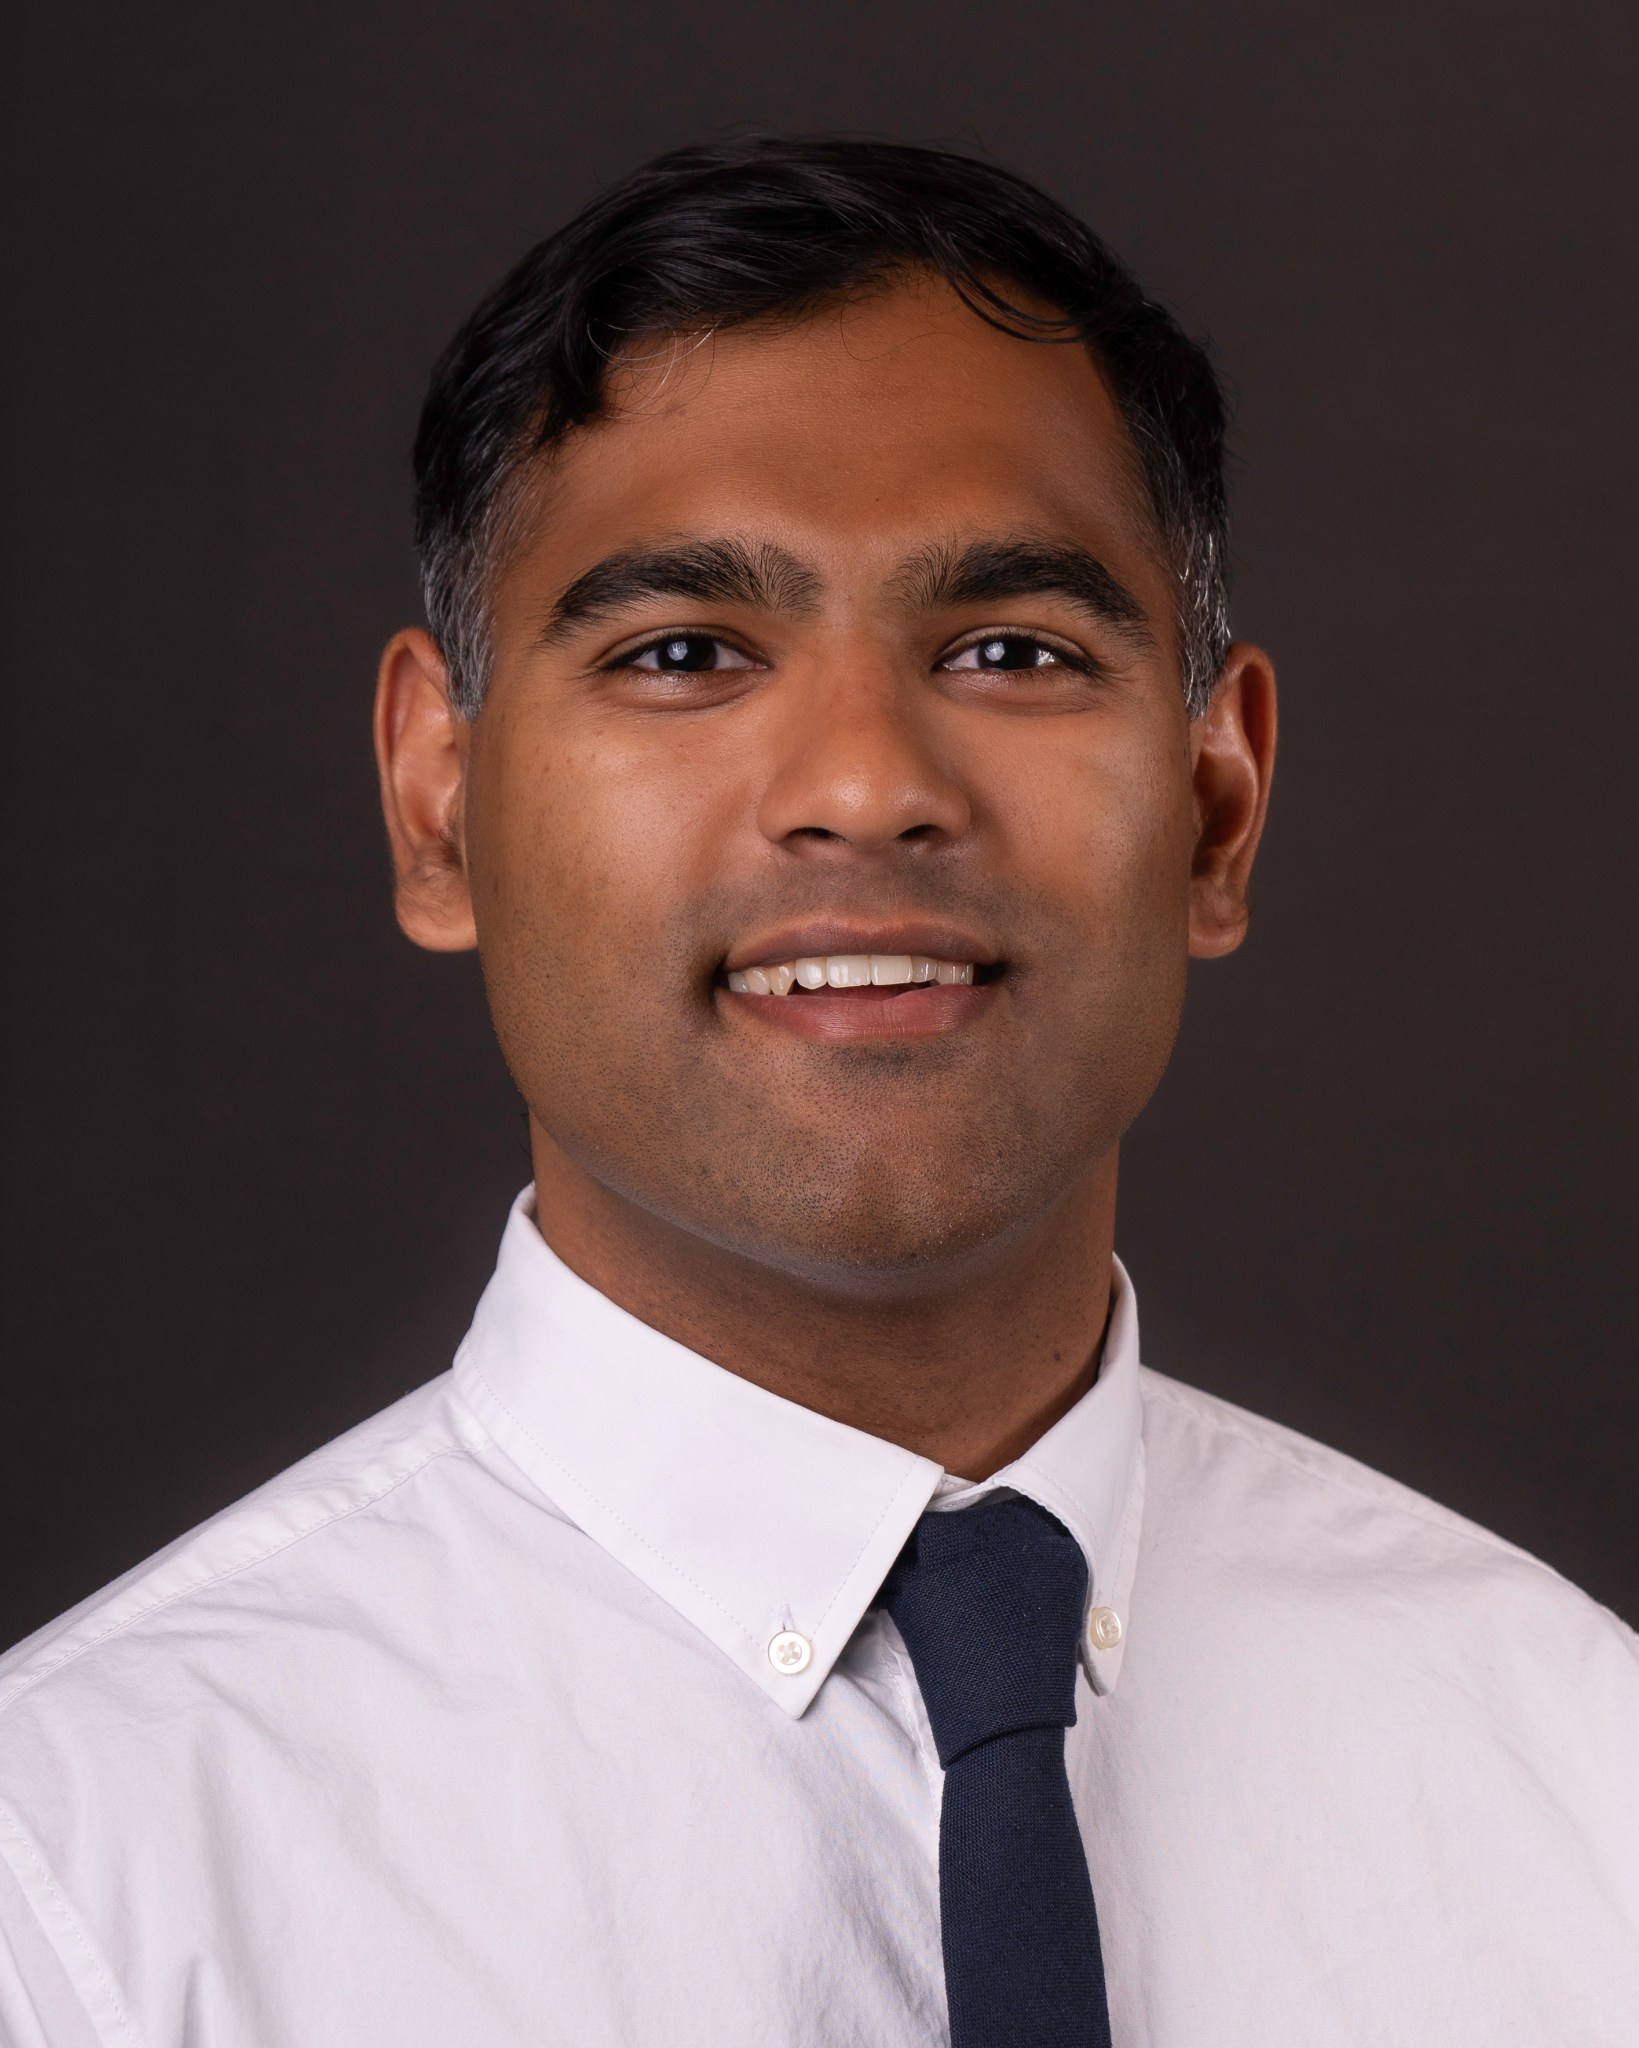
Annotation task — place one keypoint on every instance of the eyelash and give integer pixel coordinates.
(631, 657)
(1062, 656)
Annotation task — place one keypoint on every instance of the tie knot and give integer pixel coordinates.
(989, 1601)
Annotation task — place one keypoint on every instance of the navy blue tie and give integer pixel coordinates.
(989, 1601)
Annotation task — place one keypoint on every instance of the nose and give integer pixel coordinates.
(858, 764)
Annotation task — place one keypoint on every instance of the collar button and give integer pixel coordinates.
(790, 1653)
(1103, 1628)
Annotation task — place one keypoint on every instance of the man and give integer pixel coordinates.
(799, 1618)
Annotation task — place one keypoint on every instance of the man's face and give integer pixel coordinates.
(841, 639)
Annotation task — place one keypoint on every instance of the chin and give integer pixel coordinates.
(878, 1235)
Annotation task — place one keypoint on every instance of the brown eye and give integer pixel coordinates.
(1004, 653)
(686, 654)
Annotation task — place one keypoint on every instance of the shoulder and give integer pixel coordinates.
(1360, 1666)
(1273, 1509)
(294, 1526)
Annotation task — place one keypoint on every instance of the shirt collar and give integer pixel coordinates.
(751, 1516)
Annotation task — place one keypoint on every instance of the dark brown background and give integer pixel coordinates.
(258, 1150)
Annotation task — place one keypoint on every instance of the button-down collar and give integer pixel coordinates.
(752, 1516)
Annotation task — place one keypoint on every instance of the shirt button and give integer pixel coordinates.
(1103, 1628)
(790, 1653)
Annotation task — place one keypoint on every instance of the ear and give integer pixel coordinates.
(421, 753)
(1233, 748)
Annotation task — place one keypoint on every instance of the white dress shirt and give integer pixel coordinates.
(549, 1708)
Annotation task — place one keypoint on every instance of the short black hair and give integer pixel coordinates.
(727, 233)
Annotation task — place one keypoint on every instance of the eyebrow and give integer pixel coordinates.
(945, 575)
(727, 571)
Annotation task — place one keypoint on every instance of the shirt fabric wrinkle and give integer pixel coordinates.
(1349, 1770)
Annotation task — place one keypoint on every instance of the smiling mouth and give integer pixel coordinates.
(818, 973)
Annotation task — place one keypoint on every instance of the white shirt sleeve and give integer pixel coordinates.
(39, 2004)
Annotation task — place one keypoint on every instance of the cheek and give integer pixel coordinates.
(1106, 833)
(1123, 996)
(582, 852)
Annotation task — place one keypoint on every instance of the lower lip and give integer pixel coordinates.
(839, 1015)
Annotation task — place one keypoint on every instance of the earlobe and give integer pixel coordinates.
(1233, 748)
(421, 756)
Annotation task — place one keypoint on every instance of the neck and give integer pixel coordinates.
(967, 1367)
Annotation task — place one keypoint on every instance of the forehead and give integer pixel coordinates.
(851, 436)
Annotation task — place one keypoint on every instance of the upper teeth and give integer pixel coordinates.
(846, 970)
